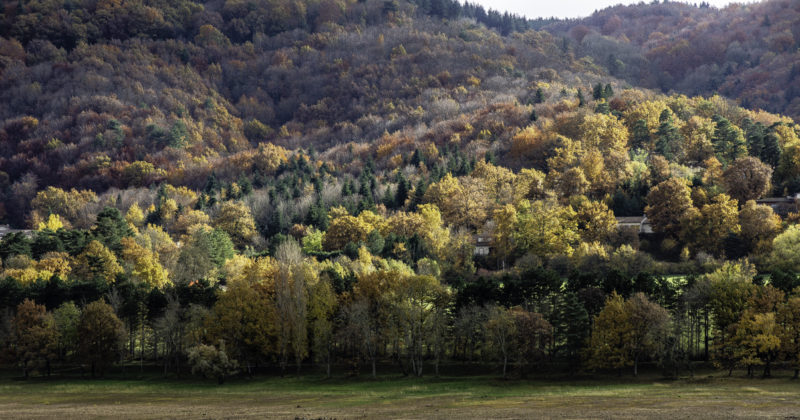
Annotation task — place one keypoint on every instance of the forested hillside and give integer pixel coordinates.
(750, 53)
(257, 183)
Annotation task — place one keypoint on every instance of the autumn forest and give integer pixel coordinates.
(233, 188)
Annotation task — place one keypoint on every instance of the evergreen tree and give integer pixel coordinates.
(729, 143)
(581, 99)
(771, 154)
(597, 91)
(667, 137)
(110, 228)
(572, 325)
(608, 92)
(539, 98)
(419, 193)
(755, 139)
(212, 184)
(401, 195)
(640, 135)
(416, 158)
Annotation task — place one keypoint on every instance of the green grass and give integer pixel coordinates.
(396, 397)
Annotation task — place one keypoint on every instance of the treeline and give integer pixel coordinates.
(291, 312)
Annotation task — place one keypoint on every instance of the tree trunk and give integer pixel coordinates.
(93, 369)
(796, 373)
(767, 370)
(636, 366)
(505, 365)
(374, 371)
(705, 327)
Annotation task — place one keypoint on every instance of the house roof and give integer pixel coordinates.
(630, 219)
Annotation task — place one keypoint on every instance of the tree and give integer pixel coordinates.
(708, 228)
(244, 316)
(100, 335)
(668, 139)
(533, 337)
(785, 253)
(66, 204)
(110, 228)
(500, 330)
(788, 321)
(731, 286)
(67, 316)
(595, 221)
(546, 228)
(640, 135)
(414, 300)
(143, 264)
(97, 263)
(291, 302)
(747, 178)
(506, 220)
(625, 332)
(322, 306)
(35, 337)
(344, 230)
(211, 361)
(235, 219)
(571, 326)
(759, 339)
(461, 203)
(203, 255)
(666, 204)
(759, 225)
(728, 140)
(650, 326)
(611, 333)
(369, 314)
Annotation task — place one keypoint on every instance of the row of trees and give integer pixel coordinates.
(284, 311)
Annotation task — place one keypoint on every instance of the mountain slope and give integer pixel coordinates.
(746, 52)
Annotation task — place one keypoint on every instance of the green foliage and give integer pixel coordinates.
(211, 361)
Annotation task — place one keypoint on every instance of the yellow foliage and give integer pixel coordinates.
(143, 264)
(53, 223)
(135, 215)
(57, 263)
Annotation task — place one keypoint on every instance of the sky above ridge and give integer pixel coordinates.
(570, 8)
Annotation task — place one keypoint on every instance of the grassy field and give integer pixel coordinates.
(395, 397)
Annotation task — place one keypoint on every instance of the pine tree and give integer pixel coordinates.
(539, 98)
(729, 143)
(640, 135)
(573, 325)
(212, 184)
(597, 92)
(755, 139)
(608, 92)
(581, 99)
(401, 195)
(667, 137)
(771, 154)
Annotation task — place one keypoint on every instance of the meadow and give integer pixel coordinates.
(314, 397)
